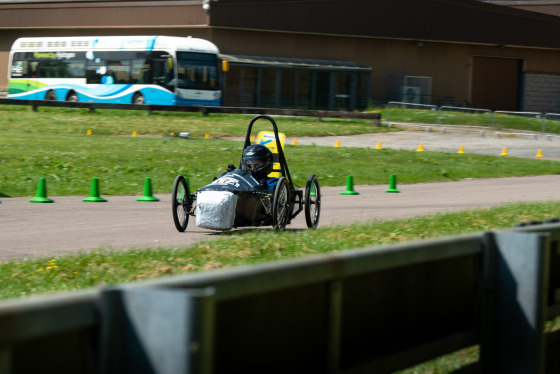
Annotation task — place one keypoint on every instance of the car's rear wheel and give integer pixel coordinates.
(281, 205)
(181, 203)
(312, 202)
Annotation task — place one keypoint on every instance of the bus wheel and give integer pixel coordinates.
(72, 96)
(51, 95)
(138, 99)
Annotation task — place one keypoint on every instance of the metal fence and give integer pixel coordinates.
(400, 104)
(373, 310)
(493, 119)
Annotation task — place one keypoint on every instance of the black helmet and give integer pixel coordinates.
(258, 159)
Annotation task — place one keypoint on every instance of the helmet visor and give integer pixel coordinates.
(256, 164)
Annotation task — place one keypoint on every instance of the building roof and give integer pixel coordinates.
(542, 6)
(300, 63)
(462, 21)
(455, 21)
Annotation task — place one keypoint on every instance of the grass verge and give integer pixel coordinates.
(472, 118)
(20, 119)
(248, 247)
(69, 162)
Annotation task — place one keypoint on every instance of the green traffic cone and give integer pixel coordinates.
(94, 193)
(147, 191)
(349, 187)
(41, 193)
(312, 191)
(392, 184)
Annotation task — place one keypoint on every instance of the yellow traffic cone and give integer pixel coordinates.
(88, 132)
(420, 148)
(134, 133)
(378, 145)
(337, 144)
(539, 153)
(295, 141)
(207, 136)
(461, 149)
(504, 152)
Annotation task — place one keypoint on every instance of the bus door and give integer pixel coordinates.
(163, 72)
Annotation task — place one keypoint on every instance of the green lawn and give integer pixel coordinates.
(21, 119)
(69, 162)
(471, 118)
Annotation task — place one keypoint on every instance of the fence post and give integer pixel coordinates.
(514, 308)
(164, 331)
(5, 360)
(335, 326)
(387, 111)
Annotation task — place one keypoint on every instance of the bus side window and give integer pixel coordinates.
(76, 69)
(93, 71)
(119, 70)
(162, 75)
(33, 67)
(19, 69)
(140, 72)
(162, 70)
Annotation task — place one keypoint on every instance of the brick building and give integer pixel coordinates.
(435, 51)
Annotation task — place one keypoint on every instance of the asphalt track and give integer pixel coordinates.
(70, 225)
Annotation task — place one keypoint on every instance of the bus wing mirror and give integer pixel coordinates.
(225, 65)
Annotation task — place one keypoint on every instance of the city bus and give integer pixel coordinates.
(156, 70)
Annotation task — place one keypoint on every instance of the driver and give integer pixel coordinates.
(258, 160)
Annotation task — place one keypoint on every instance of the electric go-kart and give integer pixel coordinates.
(236, 199)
